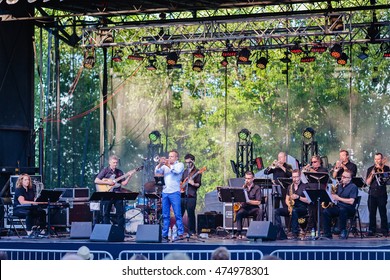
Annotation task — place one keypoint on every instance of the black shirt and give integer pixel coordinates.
(191, 191)
(297, 202)
(108, 173)
(255, 193)
(375, 188)
(278, 172)
(21, 191)
(350, 166)
(348, 191)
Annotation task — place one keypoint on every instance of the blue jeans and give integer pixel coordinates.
(174, 200)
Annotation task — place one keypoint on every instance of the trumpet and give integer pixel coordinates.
(333, 189)
(340, 165)
(156, 158)
(308, 168)
(274, 164)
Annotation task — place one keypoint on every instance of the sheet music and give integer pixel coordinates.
(246, 196)
(307, 196)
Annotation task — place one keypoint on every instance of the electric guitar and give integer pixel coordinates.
(183, 184)
(109, 188)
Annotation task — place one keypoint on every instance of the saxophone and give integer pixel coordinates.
(291, 201)
(333, 189)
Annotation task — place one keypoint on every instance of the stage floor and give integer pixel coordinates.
(63, 242)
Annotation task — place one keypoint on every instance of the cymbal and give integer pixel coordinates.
(150, 186)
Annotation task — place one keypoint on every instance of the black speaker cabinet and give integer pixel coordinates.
(261, 230)
(228, 218)
(103, 232)
(209, 222)
(148, 234)
(81, 230)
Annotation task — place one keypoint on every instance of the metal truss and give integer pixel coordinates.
(251, 32)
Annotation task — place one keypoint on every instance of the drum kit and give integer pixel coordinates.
(147, 209)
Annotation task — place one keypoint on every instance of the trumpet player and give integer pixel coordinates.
(344, 206)
(296, 206)
(252, 206)
(377, 196)
(279, 169)
(344, 164)
(172, 170)
(315, 165)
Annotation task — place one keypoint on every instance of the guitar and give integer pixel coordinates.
(183, 184)
(109, 188)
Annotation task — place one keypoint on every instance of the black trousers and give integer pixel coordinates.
(295, 215)
(35, 216)
(105, 209)
(374, 203)
(255, 211)
(189, 204)
(336, 211)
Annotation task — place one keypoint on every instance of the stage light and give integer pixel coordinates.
(308, 134)
(336, 51)
(244, 55)
(154, 136)
(363, 55)
(343, 59)
(318, 49)
(229, 53)
(307, 59)
(244, 134)
(151, 63)
(262, 62)
(197, 65)
(224, 62)
(199, 53)
(117, 55)
(89, 58)
(296, 49)
(172, 58)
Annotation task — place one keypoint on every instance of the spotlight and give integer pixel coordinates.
(336, 51)
(224, 62)
(296, 49)
(135, 56)
(308, 134)
(244, 55)
(172, 58)
(363, 55)
(154, 136)
(244, 134)
(307, 59)
(262, 62)
(89, 58)
(117, 56)
(343, 59)
(229, 53)
(106, 37)
(199, 53)
(318, 49)
(197, 65)
(151, 63)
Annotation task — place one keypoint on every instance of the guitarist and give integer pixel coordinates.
(107, 177)
(191, 181)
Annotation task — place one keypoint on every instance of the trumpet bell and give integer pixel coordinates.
(156, 158)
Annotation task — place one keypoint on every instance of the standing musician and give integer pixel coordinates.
(344, 164)
(107, 177)
(172, 170)
(24, 196)
(315, 165)
(377, 196)
(345, 198)
(252, 206)
(296, 206)
(188, 198)
(280, 169)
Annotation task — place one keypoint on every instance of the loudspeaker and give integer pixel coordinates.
(209, 222)
(105, 232)
(261, 229)
(81, 230)
(228, 217)
(148, 233)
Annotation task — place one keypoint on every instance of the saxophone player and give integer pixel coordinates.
(344, 164)
(377, 196)
(344, 207)
(296, 206)
(252, 206)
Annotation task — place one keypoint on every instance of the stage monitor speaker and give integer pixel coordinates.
(261, 230)
(81, 230)
(148, 234)
(105, 232)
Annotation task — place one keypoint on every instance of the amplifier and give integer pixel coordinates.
(228, 217)
(64, 217)
(208, 223)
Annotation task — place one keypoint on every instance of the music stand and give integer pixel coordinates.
(49, 196)
(232, 195)
(358, 181)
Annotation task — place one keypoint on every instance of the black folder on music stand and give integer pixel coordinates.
(358, 181)
(263, 182)
(319, 178)
(232, 195)
(285, 182)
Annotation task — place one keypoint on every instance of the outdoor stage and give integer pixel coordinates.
(352, 248)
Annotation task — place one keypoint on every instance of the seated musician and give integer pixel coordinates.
(252, 206)
(26, 207)
(344, 206)
(297, 206)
